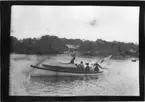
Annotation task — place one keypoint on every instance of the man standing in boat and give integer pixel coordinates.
(73, 55)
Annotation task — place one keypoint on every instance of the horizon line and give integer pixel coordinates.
(136, 43)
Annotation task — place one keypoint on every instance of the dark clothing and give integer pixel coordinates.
(97, 65)
(87, 68)
(96, 68)
(73, 58)
(72, 61)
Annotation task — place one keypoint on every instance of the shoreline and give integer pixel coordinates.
(23, 56)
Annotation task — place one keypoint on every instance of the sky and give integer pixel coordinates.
(110, 23)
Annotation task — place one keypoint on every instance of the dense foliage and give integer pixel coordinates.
(54, 45)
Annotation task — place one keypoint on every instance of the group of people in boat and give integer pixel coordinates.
(85, 66)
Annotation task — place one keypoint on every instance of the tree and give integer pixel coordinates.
(52, 44)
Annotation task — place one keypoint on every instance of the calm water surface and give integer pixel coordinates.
(121, 78)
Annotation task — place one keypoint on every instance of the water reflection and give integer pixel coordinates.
(64, 79)
(62, 85)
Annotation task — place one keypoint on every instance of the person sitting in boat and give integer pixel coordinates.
(81, 65)
(87, 67)
(97, 66)
(73, 55)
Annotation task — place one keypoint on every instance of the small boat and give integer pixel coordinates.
(133, 60)
(61, 69)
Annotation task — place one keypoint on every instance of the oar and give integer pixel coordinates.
(105, 58)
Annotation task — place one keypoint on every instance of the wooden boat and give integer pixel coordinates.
(133, 60)
(61, 69)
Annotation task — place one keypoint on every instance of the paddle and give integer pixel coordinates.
(105, 58)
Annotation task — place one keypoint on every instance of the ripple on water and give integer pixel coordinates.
(120, 79)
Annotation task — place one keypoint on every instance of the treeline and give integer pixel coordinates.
(53, 45)
(103, 48)
(44, 45)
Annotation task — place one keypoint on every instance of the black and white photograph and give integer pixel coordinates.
(74, 51)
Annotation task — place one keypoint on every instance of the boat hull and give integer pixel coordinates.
(38, 71)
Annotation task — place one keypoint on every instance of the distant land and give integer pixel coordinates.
(54, 45)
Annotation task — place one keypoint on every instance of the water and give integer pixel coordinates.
(121, 78)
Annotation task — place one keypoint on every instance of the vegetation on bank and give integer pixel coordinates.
(54, 45)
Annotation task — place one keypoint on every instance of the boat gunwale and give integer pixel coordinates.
(66, 71)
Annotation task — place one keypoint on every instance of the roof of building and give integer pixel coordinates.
(72, 46)
(131, 50)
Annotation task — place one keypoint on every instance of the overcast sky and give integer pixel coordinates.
(83, 22)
